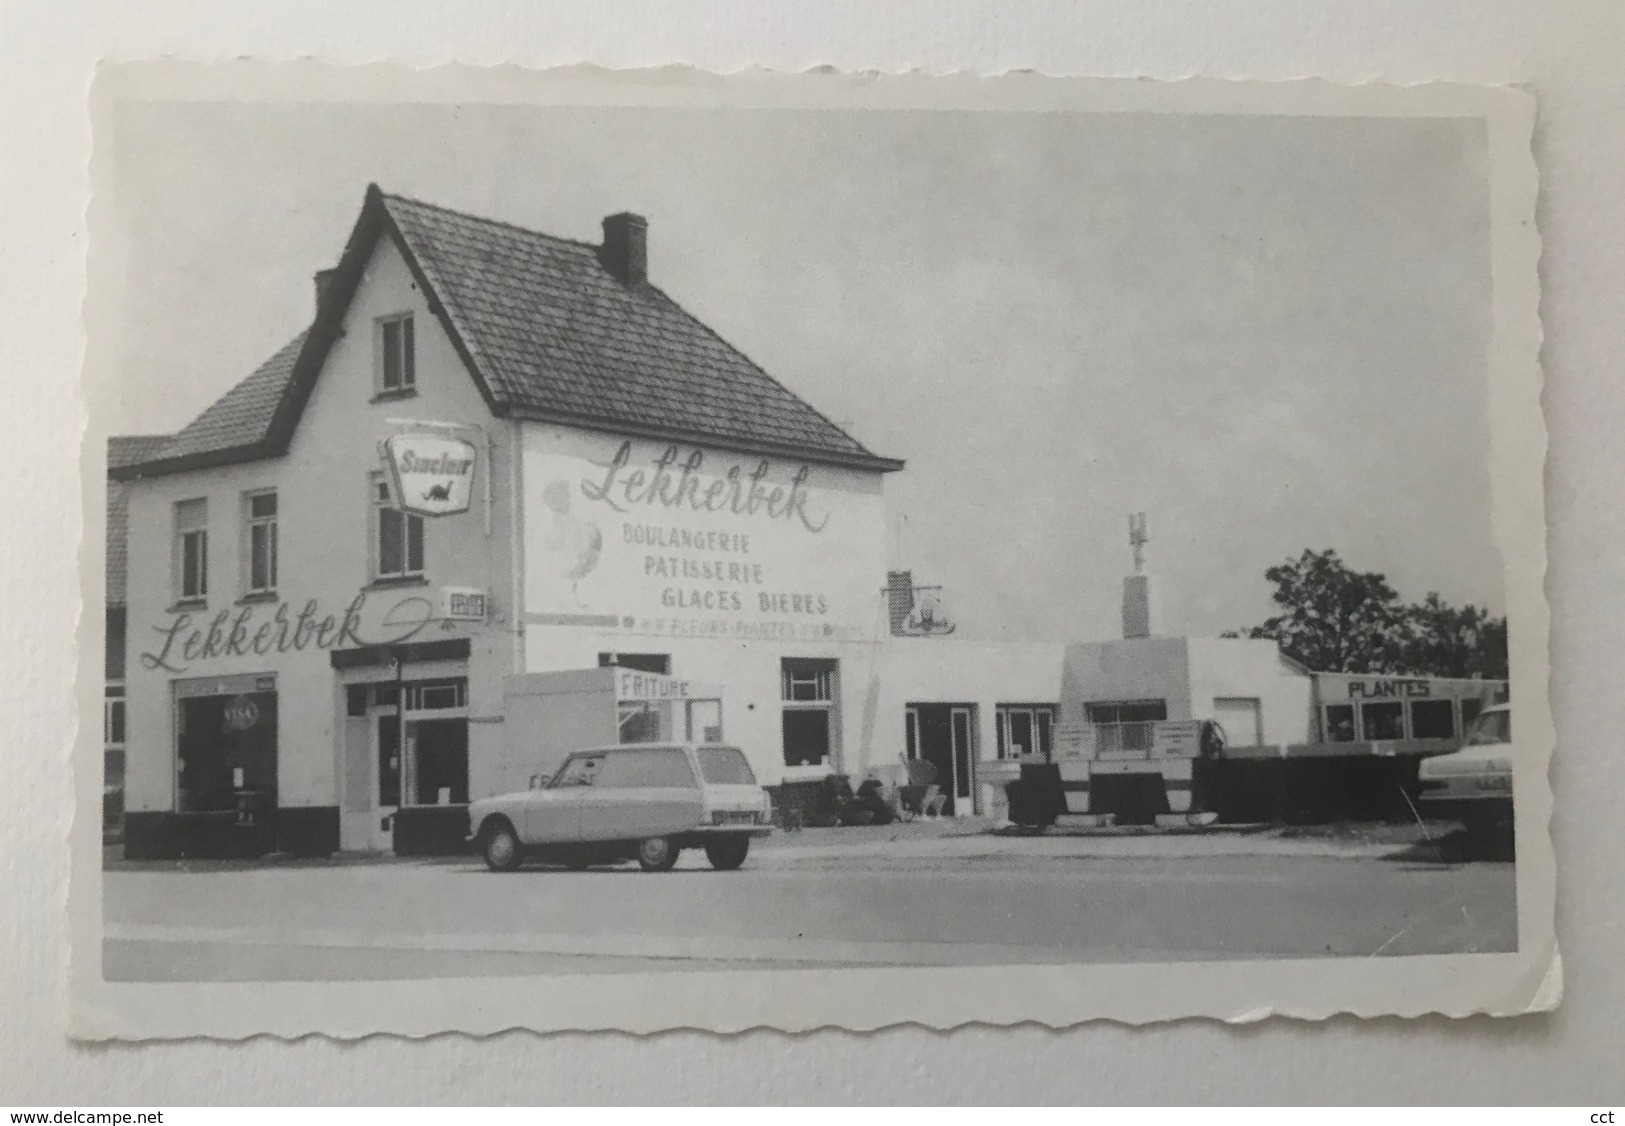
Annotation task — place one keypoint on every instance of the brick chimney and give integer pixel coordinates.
(899, 599)
(324, 282)
(625, 252)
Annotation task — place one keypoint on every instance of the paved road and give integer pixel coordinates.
(812, 900)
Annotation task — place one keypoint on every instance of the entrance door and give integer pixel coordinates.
(387, 741)
(1242, 720)
(944, 735)
(432, 767)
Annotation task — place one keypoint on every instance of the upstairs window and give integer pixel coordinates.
(192, 550)
(260, 521)
(397, 355)
(397, 537)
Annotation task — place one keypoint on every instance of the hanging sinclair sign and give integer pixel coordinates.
(432, 474)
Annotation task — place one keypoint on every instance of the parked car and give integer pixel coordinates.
(1474, 784)
(642, 801)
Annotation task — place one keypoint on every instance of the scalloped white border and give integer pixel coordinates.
(864, 999)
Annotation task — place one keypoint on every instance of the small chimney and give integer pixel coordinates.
(1139, 597)
(1139, 607)
(626, 247)
(324, 282)
(899, 599)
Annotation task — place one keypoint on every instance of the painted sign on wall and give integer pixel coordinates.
(664, 538)
(260, 629)
(432, 474)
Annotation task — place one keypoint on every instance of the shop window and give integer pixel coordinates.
(397, 536)
(643, 721)
(397, 355)
(440, 761)
(705, 721)
(1125, 725)
(260, 548)
(1433, 719)
(192, 550)
(1338, 723)
(1382, 722)
(1025, 729)
(806, 737)
(226, 745)
(658, 663)
(808, 689)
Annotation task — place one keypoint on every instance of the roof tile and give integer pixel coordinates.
(553, 334)
(557, 334)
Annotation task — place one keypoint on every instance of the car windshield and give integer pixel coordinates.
(1490, 728)
(724, 766)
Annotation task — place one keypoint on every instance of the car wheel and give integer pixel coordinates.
(657, 854)
(502, 851)
(727, 854)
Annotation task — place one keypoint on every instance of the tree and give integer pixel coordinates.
(1334, 619)
(1446, 640)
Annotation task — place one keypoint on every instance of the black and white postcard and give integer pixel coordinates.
(638, 550)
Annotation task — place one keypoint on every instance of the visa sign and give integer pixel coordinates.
(433, 475)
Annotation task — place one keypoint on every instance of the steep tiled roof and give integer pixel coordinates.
(123, 451)
(242, 416)
(133, 449)
(549, 332)
(557, 334)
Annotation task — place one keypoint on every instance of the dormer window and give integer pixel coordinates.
(397, 355)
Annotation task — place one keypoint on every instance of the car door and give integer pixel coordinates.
(642, 792)
(553, 812)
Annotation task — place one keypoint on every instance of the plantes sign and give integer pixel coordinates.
(433, 475)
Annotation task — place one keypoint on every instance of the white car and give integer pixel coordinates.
(647, 801)
(1474, 784)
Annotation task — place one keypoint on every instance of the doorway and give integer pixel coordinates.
(431, 769)
(944, 735)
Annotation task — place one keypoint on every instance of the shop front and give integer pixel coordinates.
(405, 745)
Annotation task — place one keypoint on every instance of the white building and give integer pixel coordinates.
(311, 665)
(643, 494)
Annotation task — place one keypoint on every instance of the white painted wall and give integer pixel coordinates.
(1149, 668)
(1190, 673)
(824, 587)
(324, 516)
(1244, 667)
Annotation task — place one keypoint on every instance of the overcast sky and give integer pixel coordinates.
(1266, 333)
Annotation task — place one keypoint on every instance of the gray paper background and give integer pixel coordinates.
(1566, 52)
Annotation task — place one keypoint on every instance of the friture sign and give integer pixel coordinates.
(433, 475)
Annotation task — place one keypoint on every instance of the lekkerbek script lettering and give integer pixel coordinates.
(675, 483)
(227, 634)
